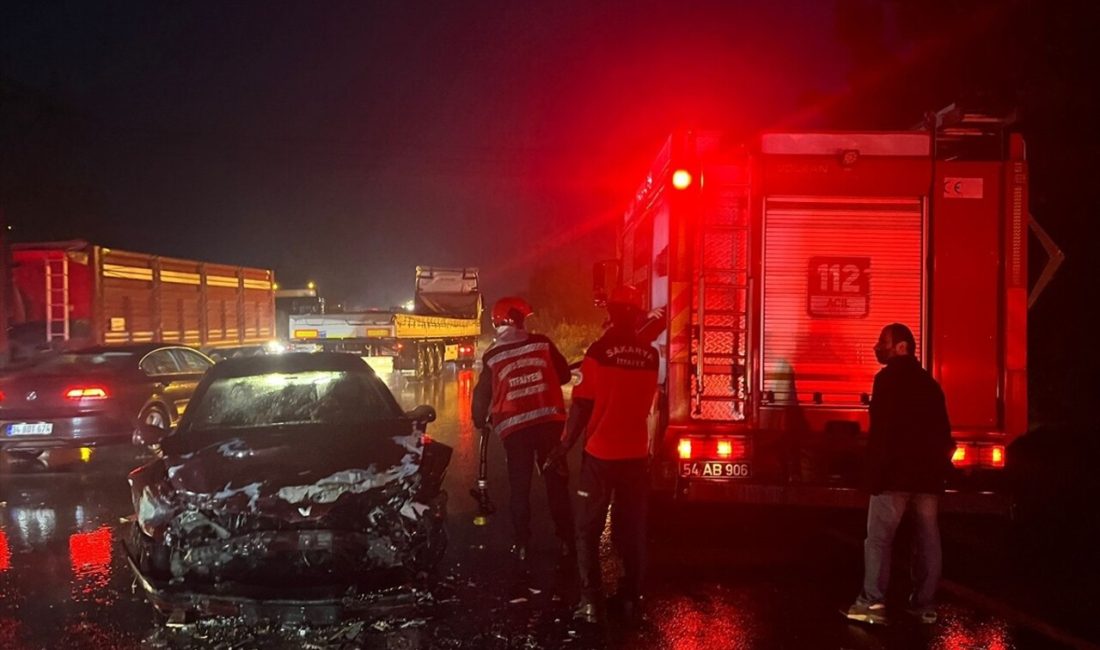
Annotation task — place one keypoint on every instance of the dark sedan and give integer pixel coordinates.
(295, 476)
(96, 396)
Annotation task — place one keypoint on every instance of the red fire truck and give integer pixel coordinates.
(777, 264)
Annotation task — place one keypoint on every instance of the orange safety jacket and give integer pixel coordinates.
(524, 373)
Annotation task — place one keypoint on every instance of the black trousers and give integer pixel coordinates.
(525, 449)
(622, 485)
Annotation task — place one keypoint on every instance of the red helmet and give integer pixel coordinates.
(626, 295)
(510, 311)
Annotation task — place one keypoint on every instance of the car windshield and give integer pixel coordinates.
(317, 397)
(78, 362)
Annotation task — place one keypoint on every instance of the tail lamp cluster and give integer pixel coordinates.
(712, 448)
(79, 392)
(969, 454)
(87, 392)
(466, 350)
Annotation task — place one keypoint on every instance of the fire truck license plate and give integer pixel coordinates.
(713, 469)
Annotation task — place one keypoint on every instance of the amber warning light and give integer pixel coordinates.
(681, 179)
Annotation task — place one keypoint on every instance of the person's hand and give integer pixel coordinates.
(556, 455)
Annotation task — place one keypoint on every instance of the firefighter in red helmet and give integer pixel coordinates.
(611, 407)
(519, 393)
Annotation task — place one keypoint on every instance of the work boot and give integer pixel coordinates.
(870, 613)
(519, 551)
(923, 615)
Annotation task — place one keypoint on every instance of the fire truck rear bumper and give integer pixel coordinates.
(827, 496)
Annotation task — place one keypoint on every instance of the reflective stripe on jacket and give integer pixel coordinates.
(520, 383)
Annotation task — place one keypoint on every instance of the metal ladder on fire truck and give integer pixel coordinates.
(720, 391)
(57, 298)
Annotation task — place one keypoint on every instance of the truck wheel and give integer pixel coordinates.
(421, 363)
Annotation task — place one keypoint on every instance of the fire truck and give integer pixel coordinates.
(775, 264)
(441, 325)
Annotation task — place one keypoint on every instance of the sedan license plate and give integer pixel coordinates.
(30, 429)
(712, 469)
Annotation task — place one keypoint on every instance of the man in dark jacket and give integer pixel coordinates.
(908, 460)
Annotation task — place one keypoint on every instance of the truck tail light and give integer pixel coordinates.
(961, 457)
(681, 179)
(725, 449)
(1, 396)
(993, 456)
(87, 392)
(968, 454)
(684, 448)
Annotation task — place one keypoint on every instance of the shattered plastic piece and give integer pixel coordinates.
(381, 626)
(516, 601)
(416, 622)
(353, 481)
(534, 591)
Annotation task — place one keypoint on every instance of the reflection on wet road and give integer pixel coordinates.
(720, 578)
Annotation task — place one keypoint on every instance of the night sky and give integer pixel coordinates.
(347, 143)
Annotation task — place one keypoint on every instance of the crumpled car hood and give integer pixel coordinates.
(270, 472)
(226, 498)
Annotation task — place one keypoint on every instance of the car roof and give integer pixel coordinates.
(134, 348)
(289, 362)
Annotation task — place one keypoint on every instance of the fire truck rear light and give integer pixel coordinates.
(725, 449)
(87, 392)
(961, 457)
(684, 448)
(681, 179)
(997, 456)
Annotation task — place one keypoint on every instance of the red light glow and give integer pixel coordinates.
(959, 458)
(681, 179)
(87, 392)
(5, 552)
(684, 448)
(90, 557)
(997, 456)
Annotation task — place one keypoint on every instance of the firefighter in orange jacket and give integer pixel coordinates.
(519, 392)
(611, 406)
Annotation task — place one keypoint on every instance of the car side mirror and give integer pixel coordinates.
(423, 414)
(149, 435)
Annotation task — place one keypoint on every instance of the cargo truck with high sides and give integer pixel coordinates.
(72, 295)
(776, 263)
(443, 325)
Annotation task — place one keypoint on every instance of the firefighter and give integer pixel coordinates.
(519, 393)
(611, 406)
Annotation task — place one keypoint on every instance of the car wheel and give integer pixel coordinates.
(155, 416)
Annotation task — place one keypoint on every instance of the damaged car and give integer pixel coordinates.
(290, 478)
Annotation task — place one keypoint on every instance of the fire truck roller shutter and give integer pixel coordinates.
(836, 270)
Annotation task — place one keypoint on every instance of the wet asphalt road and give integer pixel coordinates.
(720, 577)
